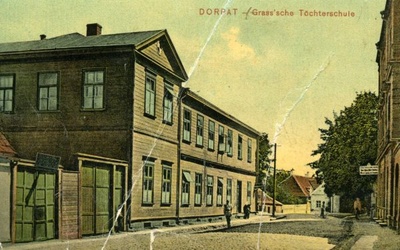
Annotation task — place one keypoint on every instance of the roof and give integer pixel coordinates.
(136, 40)
(5, 147)
(76, 40)
(205, 103)
(301, 186)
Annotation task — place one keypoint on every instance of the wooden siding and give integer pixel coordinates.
(156, 51)
(159, 150)
(153, 126)
(193, 210)
(202, 152)
(71, 129)
(69, 206)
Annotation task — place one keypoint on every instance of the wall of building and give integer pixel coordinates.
(195, 210)
(5, 205)
(71, 128)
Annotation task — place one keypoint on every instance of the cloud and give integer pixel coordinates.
(236, 49)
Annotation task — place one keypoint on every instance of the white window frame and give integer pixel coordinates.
(148, 183)
(48, 84)
(198, 189)
(210, 190)
(187, 123)
(150, 95)
(249, 150)
(168, 103)
(200, 130)
(93, 89)
(7, 93)
(166, 185)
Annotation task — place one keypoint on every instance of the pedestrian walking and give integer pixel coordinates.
(357, 207)
(228, 213)
(322, 214)
(247, 211)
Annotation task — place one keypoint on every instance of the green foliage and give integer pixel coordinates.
(349, 141)
(264, 154)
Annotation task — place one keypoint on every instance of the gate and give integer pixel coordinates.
(102, 193)
(35, 205)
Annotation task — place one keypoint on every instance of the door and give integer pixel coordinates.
(96, 200)
(35, 205)
(239, 196)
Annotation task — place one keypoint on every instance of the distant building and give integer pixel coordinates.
(318, 196)
(388, 59)
(300, 187)
(113, 110)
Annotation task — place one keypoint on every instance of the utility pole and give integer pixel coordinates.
(274, 193)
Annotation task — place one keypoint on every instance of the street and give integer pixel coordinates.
(291, 232)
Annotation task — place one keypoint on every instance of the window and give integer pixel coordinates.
(198, 189)
(148, 181)
(187, 116)
(220, 187)
(187, 178)
(48, 91)
(249, 150)
(229, 143)
(6, 93)
(211, 134)
(210, 184)
(200, 125)
(93, 90)
(166, 185)
(168, 101)
(229, 190)
(221, 139)
(150, 95)
(248, 192)
(318, 204)
(240, 147)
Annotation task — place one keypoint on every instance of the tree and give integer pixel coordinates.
(265, 177)
(350, 141)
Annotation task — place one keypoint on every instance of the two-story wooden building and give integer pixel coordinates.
(112, 110)
(388, 59)
(218, 159)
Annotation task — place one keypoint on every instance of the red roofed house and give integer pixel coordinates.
(301, 187)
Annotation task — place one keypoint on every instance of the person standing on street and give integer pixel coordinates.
(357, 207)
(228, 213)
(322, 215)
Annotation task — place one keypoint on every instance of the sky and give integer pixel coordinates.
(279, 66)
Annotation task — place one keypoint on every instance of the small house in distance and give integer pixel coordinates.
(318, 196)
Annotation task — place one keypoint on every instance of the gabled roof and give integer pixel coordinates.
(76, 40)
(204, 104)
(301, 186)
(73, 41)
(5, 147)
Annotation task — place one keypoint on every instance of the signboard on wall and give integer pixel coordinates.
(47, 162)
(369, 169)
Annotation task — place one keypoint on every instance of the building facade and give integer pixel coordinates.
(107, 112)
(388, 59)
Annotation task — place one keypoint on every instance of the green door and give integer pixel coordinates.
(96, 200)
(35, 206)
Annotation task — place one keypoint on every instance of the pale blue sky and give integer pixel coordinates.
(275, 73)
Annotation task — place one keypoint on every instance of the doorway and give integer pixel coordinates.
(239, 196)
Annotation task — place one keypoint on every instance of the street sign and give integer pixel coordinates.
(369, 170)
(47, 162)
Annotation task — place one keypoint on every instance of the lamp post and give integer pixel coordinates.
(274, 193)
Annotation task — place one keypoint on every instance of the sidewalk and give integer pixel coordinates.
(101, 239)
(370, 235)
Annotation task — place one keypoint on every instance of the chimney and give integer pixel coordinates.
(42, 36)
(93, 29)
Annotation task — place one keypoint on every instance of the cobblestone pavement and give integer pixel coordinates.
(292, 232)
